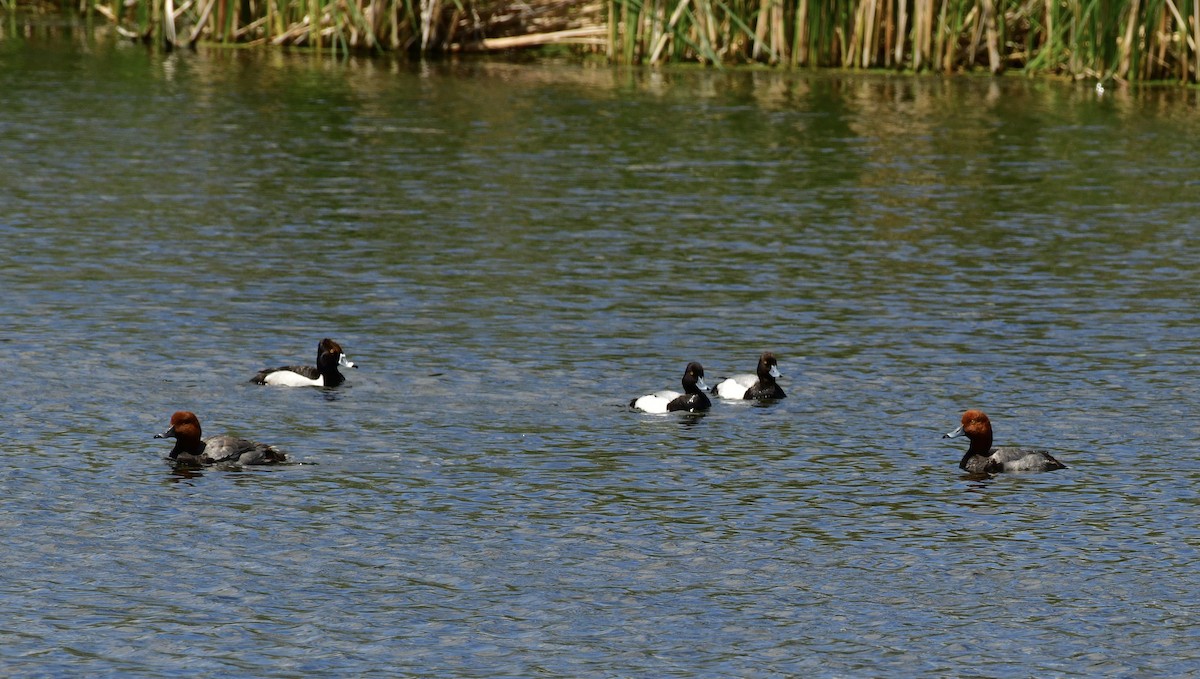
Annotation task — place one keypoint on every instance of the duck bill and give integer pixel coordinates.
(168, 434)
(775, 372)
(345, 362)
(700, 383)
(954, 434)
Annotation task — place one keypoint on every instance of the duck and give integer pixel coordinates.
(761, 386)
(329, 358)
(982, 458)
(691, 400)
(191, 449)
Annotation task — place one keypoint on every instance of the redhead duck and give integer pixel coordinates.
(982, 458)
(759, 387)
(189, 448)
(329, 358)
(692, 399)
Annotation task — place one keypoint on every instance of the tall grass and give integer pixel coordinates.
(342, 26)
(1107, 39)
(1103, 39)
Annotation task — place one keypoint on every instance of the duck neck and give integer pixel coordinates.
(327, 365)
(187, 446)
(980, 445)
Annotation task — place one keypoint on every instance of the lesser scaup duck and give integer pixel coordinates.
(329, 358)
(761, 386)
(189, 448)
(691, 400)
(982, 458)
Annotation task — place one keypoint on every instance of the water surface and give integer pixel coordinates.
(513, 252)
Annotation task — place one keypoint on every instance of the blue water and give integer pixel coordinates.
(513, 252)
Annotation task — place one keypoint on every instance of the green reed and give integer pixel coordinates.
(1111, 40)
(1107, 39)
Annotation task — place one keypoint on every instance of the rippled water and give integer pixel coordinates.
(511, 253)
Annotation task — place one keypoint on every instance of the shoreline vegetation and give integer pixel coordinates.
(1105, 40)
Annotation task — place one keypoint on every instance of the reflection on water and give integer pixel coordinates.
(513, 252)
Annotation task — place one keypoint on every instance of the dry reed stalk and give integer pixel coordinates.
(1185, 42)
(943, 47)
(800, 36)
(767, 38)
(658, 23)
(588, 36)
(1196, 42)
(993, 36)
(168, 20)
(870, 11)
(974, 20)
(428, 7)
(628, 40)
(929, 19)
(779, 20)
(850, 48)
(1164, 37)
(1048, 41)
(760, 28)
(1075, 57)
(201, 23)
(610, 51)
(1185, 38)
(889, 33)
(708, 32)
(781, 33)
(644, 18)
(918, 55)
(1127, 45)
(395, 41)
(931, 27)
(249, 28)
